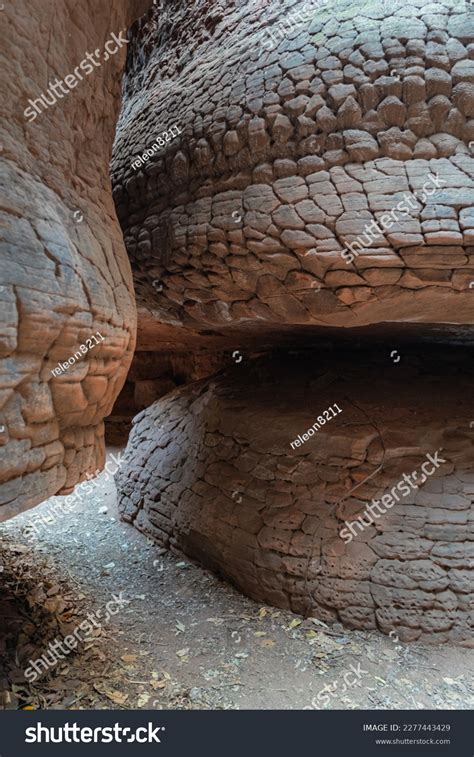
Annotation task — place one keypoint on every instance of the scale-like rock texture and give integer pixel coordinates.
(64, 274)
(297, 132)
(305, 139)
(210, 471)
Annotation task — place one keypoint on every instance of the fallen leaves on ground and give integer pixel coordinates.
(34, 614)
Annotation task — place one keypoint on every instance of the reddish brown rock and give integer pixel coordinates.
(307, 145)
(237, 228)
(65, 272)
(210, 470)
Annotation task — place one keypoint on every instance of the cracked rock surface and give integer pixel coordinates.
(65, 272)
(297, 135)
(210, 471)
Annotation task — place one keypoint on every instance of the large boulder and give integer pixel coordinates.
(269, 473)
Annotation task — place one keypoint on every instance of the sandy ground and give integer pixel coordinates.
(184, 639)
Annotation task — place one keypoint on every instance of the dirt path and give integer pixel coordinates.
(184, 639)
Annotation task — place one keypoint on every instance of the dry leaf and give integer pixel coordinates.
(158, 684)
(115, 696)
(129, 657)
(294, 623)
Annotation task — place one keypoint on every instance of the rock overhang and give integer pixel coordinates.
(245, 218)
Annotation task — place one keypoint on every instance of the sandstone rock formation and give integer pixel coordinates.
(298, 133)
(323, 177)
(281, 174)
(64, 270)
(210, 471)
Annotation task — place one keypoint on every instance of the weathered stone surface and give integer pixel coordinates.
(373, 136)
(64, 272)
(353, 134)
(210, 470)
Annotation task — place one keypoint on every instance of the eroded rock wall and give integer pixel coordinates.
(65, 274)
(210, 470)
(298, 132)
